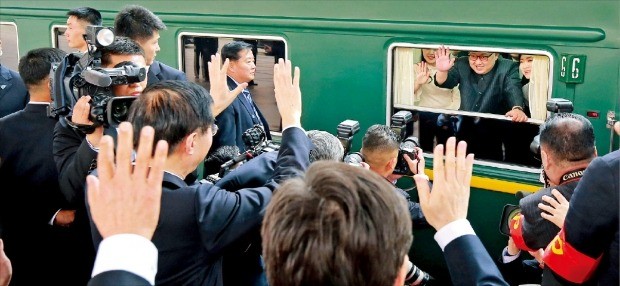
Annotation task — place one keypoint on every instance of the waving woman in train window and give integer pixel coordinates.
(427, 94)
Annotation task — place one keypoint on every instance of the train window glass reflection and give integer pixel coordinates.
(196, 52)
(9, 45)
(59, 40)
(443, 112)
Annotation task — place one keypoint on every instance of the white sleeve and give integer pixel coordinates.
(452, 231)
(129, 252)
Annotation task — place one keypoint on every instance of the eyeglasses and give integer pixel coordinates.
(214, 129)
(483, 57)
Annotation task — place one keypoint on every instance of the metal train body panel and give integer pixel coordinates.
(345, 50)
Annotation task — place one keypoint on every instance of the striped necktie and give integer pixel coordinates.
(248, 98)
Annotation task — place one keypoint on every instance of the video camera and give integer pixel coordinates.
(81, 74)
(346, 129)
(256, 143)
(402, 124)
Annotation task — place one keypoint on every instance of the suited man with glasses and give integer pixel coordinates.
(488, 84)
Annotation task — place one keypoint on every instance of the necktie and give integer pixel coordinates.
(248, 98)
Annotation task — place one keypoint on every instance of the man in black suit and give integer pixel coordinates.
(40, 235)
(142, 26)
(488, 84)
(13, 93)
(198, 223)
(243, 113)
(75, 152)
(204, 47)
(586, 249)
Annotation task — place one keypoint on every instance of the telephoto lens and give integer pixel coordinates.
(415, 276)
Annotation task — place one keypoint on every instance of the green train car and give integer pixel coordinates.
(358, 61)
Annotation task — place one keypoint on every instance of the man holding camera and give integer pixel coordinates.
(566, 148)
(77, 137)
(142, 26)
(380, 150)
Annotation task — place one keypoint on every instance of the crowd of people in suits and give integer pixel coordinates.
(121, 206)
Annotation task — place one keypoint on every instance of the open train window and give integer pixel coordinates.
(9, 55)
(482, 86)
(196, 50)
(59, 40)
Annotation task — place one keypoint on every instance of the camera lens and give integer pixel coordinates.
(417, 277)
(119, 112)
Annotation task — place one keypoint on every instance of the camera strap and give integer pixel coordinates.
(84, 128)
(572, 176)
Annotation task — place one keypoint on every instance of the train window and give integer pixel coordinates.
(197, 49)
(59, 40)
(9, 47)
(481, 87)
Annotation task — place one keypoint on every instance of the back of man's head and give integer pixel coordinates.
(231, 50)
(174, 109)
(90, 15)
(137, 22)
(120, 46)
(36, 65)
(340, 225)
(569, 137)
(327, 146)
(379, 145)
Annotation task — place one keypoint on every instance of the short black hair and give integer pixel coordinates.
(120, 46)
(137, 22)
(35, 66)
(174, 108)
(231, 50)
(569, 136)
(90, 15)
(380, 137)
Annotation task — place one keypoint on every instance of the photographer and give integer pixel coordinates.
(75, 152)
(380, 151)
(567, 148)
(74, 156)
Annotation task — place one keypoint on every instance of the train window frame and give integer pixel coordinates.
(392, 105)
(14, 25)
(54, 37)
(181, 50)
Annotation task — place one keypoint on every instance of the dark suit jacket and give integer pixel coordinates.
(159, 71)
(13, 93)
(198, 223)
(236, 119)
(537, 231)
(27, 161)
(469, 263)
(591, 225)
(118, 278)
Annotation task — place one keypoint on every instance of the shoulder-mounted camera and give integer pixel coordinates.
(81, 74)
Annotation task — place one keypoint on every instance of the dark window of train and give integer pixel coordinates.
(10, 47)
(197, 51)
(438, 117)
(59, 39)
